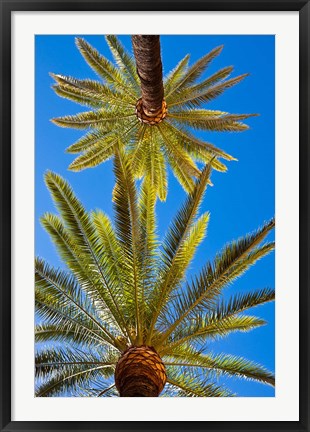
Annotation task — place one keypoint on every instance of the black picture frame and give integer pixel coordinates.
(7, 7)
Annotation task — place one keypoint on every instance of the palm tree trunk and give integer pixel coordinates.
(149, 68)
(140, 372)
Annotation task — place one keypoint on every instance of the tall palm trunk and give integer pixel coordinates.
(140, 372)
(149, 68)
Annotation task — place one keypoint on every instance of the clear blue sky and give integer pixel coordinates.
(240, 199)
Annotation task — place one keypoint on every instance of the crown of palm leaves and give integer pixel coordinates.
(123, 287)
(114, 103)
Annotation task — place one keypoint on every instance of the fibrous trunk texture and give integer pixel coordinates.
(140, 372)
(149, 68)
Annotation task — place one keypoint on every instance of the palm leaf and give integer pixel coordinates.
(210, 120)
(198, 149)
(175, 75)
(79, 224)
(203, 92)
(98, 148)
(127, 229)
(222, 364)
(104, 68)
(234, 260)
(149, 241)
(66, 334)
(173, 243)
(191, 385)
(93, 119)
(194, 72)
(125, 62)
(177, 153)
(58, 290)
(88, 92)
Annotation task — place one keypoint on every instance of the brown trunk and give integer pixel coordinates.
(140, 372)
(149, 68)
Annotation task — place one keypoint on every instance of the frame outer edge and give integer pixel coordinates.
(5, 210)
(304, 200)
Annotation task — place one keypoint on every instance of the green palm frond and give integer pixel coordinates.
(204, 92)
(87, 92)
(202, 330)
(174, 247)
(97, 153)
(176, 152)
(208, 120)
(147, 158)
(104, 68)
(53, 315)
(59, 296)
(220, 364)
(94, 119)
(232, 262)
(113, 102)
(149, 240)
(88, 140)
(57, 369)
(192, 385)
(202, 151)
(101, 150)
(124, 61)
(176, 75)
(194, 72)
(127, 228)
(67, 334)
(79, 223)
(216, 77)
(70, 358)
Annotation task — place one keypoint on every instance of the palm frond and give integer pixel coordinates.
(93, 119)
(113, 262)
(49, 361)
(221, 364)
(172, 244)
(102, 150)
(57, 374)
(81, 227)
(201, 93)
(220, 75)
(177, 153)
(194, 72)
(104, 68)
(175, 75)
(233, 261)
(213, 329)
(192, 385)
(66, 334)
(210, 120)
(149, 240)
(60, 291)
(147, 159)
(127, 229)
(106, 391)
(125, 62)
(201, 150)
(88, 92)
(88, 140)
(53, 315)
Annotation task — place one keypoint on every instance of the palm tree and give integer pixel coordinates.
(124, 319)
(155, 130)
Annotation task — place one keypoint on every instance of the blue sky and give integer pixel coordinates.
(240, 200)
